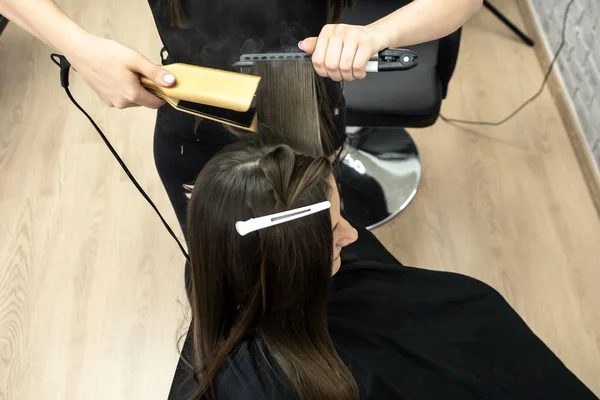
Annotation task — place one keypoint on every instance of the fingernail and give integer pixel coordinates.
(300, 44)
(169, 78)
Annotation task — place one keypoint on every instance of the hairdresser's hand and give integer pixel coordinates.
(113, 71)
(341, 52)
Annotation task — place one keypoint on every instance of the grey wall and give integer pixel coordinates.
(579, 62)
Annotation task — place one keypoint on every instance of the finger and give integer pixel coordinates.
(347, 60)
(134, 94)
(147, 99)
(361, 58)
(318, 56)
(123, 104)
(332, 58)
(157, 74)
(308, 45)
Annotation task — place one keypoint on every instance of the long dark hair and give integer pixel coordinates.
(270, 287)
(335, 9)
(293, 106)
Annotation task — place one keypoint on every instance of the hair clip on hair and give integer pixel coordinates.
(255, 224)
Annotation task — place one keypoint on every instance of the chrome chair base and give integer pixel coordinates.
(378, 173)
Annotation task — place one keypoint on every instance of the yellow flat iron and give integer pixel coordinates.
(222, 96)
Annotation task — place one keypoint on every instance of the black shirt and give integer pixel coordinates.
(218, 32)
(409, 333)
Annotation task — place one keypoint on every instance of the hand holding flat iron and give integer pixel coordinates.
(341, 52)
(113, 71)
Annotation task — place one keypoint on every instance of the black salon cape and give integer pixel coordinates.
(409, 333)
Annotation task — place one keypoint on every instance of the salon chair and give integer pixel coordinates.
(380, 169)
(3, 23)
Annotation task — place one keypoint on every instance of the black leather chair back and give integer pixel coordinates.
(405, 98)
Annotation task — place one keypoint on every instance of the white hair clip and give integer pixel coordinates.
(254, 224)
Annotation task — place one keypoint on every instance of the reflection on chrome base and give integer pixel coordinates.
(378, 174)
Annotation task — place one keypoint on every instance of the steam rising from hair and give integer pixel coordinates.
(238, 27)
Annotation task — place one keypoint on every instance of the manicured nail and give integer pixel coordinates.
(169, 78)
(300, 44)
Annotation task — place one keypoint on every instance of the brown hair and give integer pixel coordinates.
(293, 106)
(179, 20)
(270, 287)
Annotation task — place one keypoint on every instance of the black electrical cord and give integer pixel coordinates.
(535, 96)
(65, 67)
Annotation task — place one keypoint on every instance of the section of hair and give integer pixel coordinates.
(287, 105)
(174, 10)
(293, 107)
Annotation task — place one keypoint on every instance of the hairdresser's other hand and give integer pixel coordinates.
(113, 71)
(341, 52)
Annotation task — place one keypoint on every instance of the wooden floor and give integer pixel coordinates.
(91, 294)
